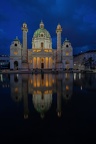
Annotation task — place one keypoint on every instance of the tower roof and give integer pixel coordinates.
(59, 28)
(66, 40)
(16, 39)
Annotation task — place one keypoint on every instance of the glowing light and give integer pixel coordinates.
(15, 53)
(81, 87)
(38, 50)
(59, 114)
(46, 50)
(46, 92)
(66, 76)
(38, 83)
(46, 83)
(79, 75)
(67, 87)
(34, 84)
(1, 77)
(67, 53)
(74, 76)
(25, 116)
(31, 81)
(16, 90)
(53, 80)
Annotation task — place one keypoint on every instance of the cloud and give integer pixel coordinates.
(86, 18)
(77, 18)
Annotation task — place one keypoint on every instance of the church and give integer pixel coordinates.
(41, 56)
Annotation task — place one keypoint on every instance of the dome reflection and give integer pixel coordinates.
(42, 101)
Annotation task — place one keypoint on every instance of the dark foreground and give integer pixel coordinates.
(48, 108)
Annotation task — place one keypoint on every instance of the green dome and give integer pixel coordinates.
(40, 31)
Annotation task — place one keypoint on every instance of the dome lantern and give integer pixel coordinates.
(41, 25)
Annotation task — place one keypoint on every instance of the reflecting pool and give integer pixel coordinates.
(48, 108)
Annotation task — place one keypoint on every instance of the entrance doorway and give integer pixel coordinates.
(42, 65)
(67, 65)
(16, 65)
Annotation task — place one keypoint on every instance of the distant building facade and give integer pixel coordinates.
(4, 61)
(80, 58)
(42, 55)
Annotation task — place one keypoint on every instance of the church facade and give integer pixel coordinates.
(41, 55)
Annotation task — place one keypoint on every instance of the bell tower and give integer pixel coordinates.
(59, 65)
(24, 52)
(58, 31)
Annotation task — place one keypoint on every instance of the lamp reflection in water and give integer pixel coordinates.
(16, 87)
(64, 89)
(41, 88)
(25, 94)
(67, 88)
(19, 90)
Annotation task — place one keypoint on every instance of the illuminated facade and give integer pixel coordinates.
(42, 55)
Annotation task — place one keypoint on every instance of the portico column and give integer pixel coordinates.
(33, 62)
(48, 63)
(44, 62)
(36, 62)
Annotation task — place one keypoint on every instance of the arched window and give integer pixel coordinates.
(42, 44)
(41, 35)
(15, 65)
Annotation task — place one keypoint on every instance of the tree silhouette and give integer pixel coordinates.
(84, 62)
(90, 61)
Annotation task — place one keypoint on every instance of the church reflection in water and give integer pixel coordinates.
(42, 88)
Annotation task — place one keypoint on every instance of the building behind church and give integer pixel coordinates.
(41, 55)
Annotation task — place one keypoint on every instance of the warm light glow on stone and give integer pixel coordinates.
(67, 53)
(15, 53)
(46, 50)
(67, 87)
(31, 81)
(47, 83)
(16, 90)
(38, 83)
(50, 50)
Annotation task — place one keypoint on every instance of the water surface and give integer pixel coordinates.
(48, 108)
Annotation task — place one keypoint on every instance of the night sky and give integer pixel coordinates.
(77, 18)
